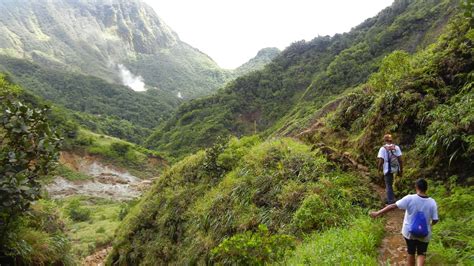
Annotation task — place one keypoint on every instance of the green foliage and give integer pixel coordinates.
(39, 237)
(235, 150)
(139, 161)
(111, 126)
(76, 212)
(69, 174)
(263, 57)
(211, 165)
(253, 248)
(189, 211)
(393, 70)
(96, 232)
(355, 244)
(468, 6)
(28, 150)
(449, 137)
(120, 148)
(452, 236)
(424, 99)
(32, 230)
(93, 96)
(283, 97)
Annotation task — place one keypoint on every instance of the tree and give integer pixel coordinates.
(28, 151)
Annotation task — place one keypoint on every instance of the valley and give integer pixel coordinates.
(271, 163)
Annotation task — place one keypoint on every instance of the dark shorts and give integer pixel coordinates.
(416, 247)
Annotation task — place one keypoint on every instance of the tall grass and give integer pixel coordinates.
(352, 245)
(453, 236)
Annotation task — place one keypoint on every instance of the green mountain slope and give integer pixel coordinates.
(101, 106)
(231, 189)
(94, 37)
(424, 99)
(263, 57)
(302, 78)
(251, 202)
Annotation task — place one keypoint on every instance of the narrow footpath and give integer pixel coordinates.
(98, 258)
(392, 251)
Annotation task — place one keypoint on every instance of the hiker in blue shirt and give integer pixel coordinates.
(389, 163)
(421, 212)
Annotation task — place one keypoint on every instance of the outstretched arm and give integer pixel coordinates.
(384, 210)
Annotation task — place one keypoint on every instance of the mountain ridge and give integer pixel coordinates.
(94, 36)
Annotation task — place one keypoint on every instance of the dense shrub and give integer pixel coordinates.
(355, 244)
(39, 238)
(452, 236)
(253, 248)
(77, 212)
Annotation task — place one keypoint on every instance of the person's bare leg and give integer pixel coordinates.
(420, 260)
(411, 260)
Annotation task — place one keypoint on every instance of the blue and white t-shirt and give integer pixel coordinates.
(412, 204)
(383, 154)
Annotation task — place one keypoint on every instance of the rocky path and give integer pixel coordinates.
(98, 258)
(392, 251)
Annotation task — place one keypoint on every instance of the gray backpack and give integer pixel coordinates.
(393, 163)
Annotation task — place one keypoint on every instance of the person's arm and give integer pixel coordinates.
(384, 210)
(380, 160)
(380, 165)
(434, 217)
(400, 161)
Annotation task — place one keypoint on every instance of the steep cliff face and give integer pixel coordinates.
(95, 36)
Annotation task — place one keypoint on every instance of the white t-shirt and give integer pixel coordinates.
(383, 154)
(412, 204)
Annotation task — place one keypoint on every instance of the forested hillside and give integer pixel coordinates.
(100, 37)
(306, 75)
(101, 106)
(253, 201)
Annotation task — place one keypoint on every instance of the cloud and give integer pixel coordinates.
(133, 82)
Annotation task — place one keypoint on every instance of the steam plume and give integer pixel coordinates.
(133, 82)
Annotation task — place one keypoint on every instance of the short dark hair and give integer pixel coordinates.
(421, 184)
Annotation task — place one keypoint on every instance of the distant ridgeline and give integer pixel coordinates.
(284, 96)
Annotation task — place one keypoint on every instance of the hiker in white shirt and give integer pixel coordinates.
(419, 202)
(390, 163)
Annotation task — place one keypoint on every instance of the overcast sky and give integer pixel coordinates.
(233, 31)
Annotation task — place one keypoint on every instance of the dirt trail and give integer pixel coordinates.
(98, 258)
(393, 248)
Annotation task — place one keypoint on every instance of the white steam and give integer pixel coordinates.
(133, 82)
(180, 95)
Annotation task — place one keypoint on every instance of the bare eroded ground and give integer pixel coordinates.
(107, 181)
